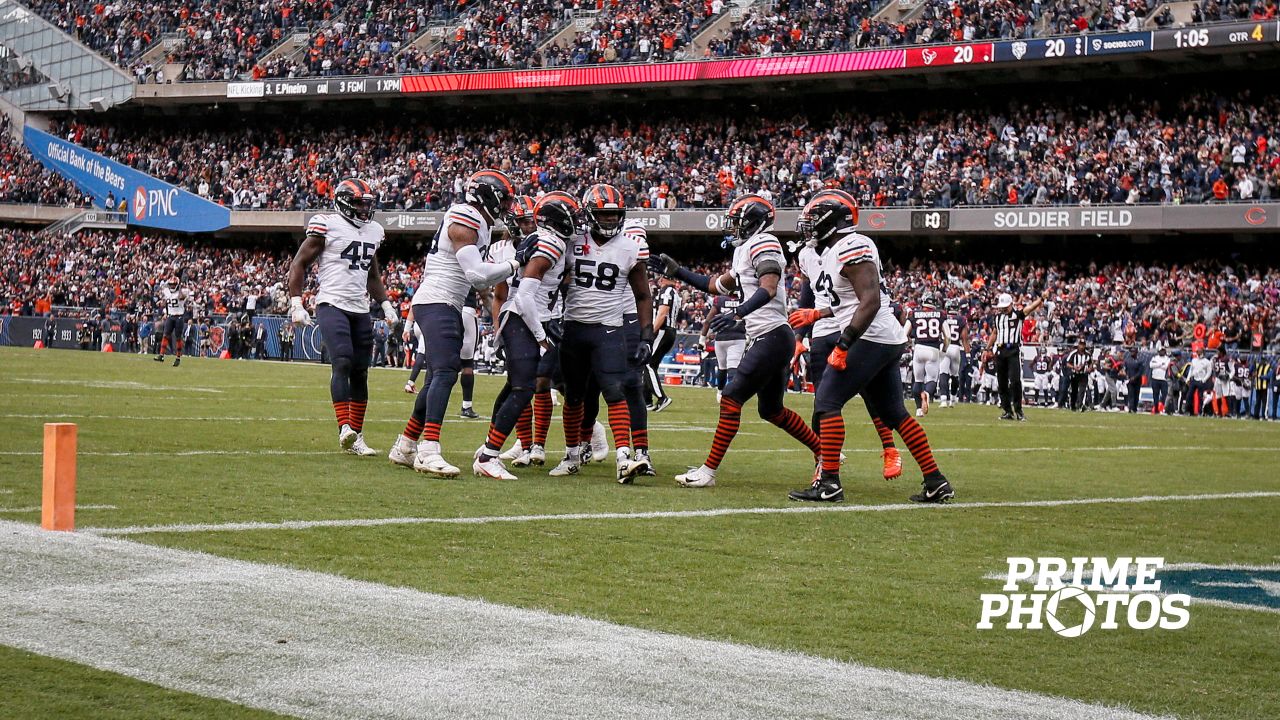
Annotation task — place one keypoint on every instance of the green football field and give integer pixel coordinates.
(220, 456)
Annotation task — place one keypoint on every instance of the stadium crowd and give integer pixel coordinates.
(25, 180)
(1203, 147)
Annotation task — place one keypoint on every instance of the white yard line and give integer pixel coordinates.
(320, 646)
(37, 508)
(655, 515)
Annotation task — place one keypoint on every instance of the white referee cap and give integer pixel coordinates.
(1004, 301)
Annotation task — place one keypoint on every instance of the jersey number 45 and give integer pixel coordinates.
(359, 254)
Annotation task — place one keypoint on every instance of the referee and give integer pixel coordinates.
(1006, 343)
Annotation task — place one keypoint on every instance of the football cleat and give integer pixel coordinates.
(585, 455)
(648, 470)
(537, 455)
(825, 490)
(568, 466)
(410, 388)
(599, 444)
(662, 404)
(177, 361)
(359, 447)
(629, 467)
(469, 413)
(347, 437)
(892, 463)
(521, 460)
(937, 490)
(1006, 416)
(699, 477)
(403, 451)
(514, 452)
(490, 468)
(159, 358)
(434, 464)
(1020, 417)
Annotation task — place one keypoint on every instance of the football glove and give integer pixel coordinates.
(524, 252)
(298, 314)
(642, 352)
(723, 322)
(664, 265)
(554, 331)
(803, 317)
(389, 312)
(838, 359)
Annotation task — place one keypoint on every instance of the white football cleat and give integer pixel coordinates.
(521, 460)
(568, 466)
(514, 452)
(555, 397)
(491, 468)
(403, 451)
(699, 477)
(430, 461)
(360, 448)
(628, 467)
(347, 437)
(919, 412)
(537, 455)
(599, 443)
(409, 388)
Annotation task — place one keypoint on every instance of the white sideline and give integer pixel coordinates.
(653, 515)
(320, 646)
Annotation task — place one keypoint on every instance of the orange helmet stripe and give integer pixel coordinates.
(501, 176)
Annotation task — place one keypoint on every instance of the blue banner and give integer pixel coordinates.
(1040, 49)
(151, 202)
(1114, 43)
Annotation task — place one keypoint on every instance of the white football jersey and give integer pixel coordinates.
(746, 258)
(443, 280)
(343, 267)
(634, 229)
(851, 249)
(551, 247)
(600, 293)
(820, 283)
(175, 301)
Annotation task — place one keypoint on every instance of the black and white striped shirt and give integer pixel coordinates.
(1008, 328)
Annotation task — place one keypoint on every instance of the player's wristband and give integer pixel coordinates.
(295, 303)
(753, 303)
(847, 338)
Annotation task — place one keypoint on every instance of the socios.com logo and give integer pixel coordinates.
(1074, 595)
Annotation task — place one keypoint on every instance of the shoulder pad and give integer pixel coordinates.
(763, 243)
(318, 225)
(854, 248)
(464, 215)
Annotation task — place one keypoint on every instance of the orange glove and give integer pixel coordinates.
(803, 317)
(838, 359)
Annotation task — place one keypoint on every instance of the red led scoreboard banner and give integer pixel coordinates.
(696, 71)
(1264, 33)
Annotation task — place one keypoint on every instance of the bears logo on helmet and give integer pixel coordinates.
(749, 215)
(492, 192)
(827, 213)
(605, 210)
(558, 213)
(354, 200)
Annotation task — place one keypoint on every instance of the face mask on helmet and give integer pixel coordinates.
(747, 219)
(354, 204)
(558, 218)
(606, 222)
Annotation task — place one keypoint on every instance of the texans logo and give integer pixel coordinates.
(929, 56)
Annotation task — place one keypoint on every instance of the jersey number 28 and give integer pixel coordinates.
(359, 254)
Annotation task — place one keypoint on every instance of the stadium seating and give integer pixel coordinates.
(23, 180)
(1202, 148)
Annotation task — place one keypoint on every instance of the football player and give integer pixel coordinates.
(929, 334)
(666, 308)
(956, 328)
(816, 298)
(755, 278)
(525, 327)
(608, 269)
(175, 318)
(344, 246)
(865, 358)
(730, 344)
(454, 267)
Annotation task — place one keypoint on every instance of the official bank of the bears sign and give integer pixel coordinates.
(152, 202)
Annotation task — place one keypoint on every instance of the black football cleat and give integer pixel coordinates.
(1006, 416)
(158, 358)
(937, 491)
(177, 361)
(469, 413)
(1020, 417)
(825, 490)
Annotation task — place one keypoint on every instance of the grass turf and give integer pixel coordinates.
(896, 589)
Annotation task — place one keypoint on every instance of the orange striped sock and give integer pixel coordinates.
(357, 409)
(832, 434)
(342, 409)
(496, 439)
(918, 443)
(726, 428)
(413, 430)
(541, 417)
(524, 427)
(795, 427)
(572, 421)
(431, 432)
(640, 436)
(886, 435)
(620, 423)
